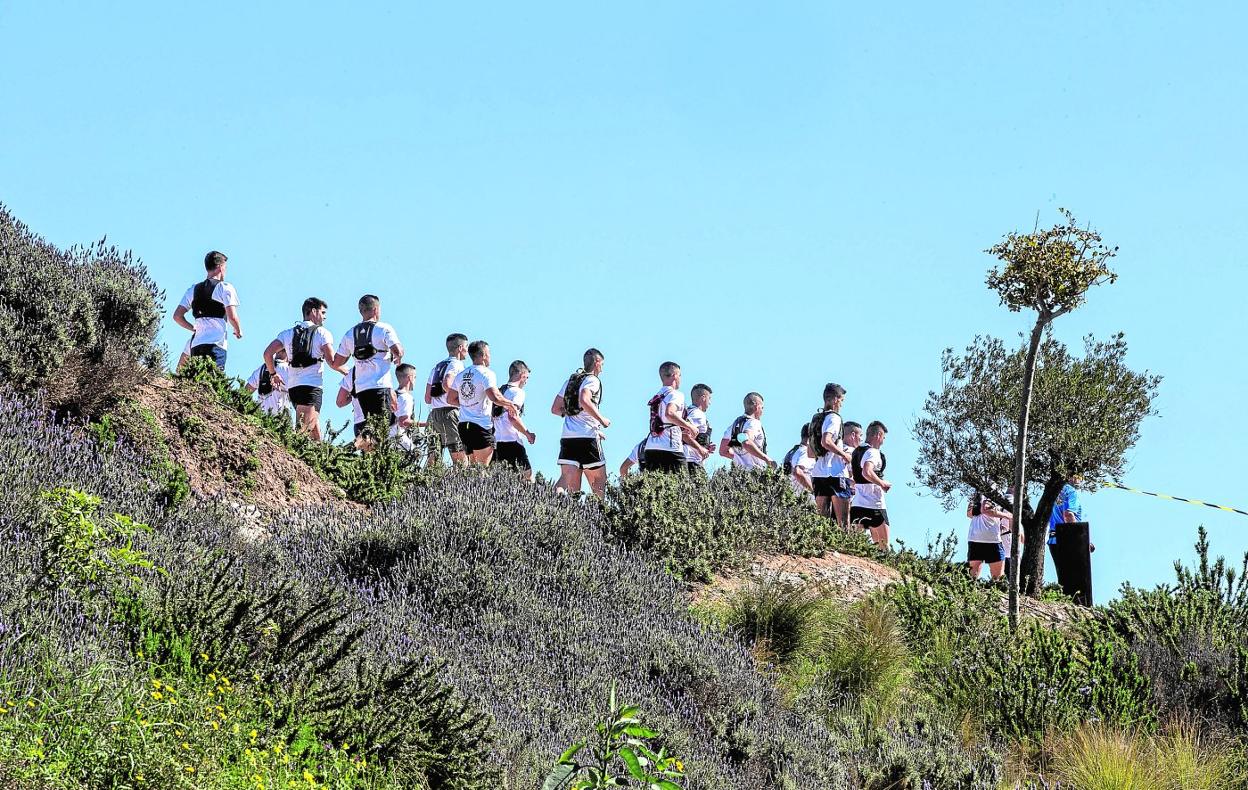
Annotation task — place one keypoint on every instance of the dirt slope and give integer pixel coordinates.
(225, 455)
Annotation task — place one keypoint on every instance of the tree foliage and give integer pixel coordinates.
(1086, 415)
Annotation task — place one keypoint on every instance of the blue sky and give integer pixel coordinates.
(773, 197)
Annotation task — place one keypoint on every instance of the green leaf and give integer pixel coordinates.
(637, 731)
(664, 784)
(634, 765)
(571, 751)
(559, 778)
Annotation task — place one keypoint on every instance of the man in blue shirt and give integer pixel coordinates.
(1066, 509)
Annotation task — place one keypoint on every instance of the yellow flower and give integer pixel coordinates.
(186, 745)
(4, 710)
(189, 769)
(307, 775)
(30, 703)
(254, 735)
(203, 656)
(156, 695)
(216, 725)
(139, 778)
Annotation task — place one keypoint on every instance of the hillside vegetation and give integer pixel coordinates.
(397, 628)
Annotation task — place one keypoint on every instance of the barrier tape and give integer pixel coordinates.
(1178, 499)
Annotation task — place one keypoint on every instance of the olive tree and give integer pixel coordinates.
(1050, 272)
(1085, 418)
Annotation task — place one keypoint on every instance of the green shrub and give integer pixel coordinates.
(138, 425)
(84, 318)
(84, 550)
(1096, 757)
(775, 621)
(696, 526)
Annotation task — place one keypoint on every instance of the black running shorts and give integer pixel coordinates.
(838, 487)
(474, 437)
(376, 401)
(512, 453)
(306, 395)
(580, 452)
(664, 461)
(984, 552)
(868, 517)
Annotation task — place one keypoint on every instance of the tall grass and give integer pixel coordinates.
(1097, 757)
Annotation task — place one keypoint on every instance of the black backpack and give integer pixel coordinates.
(572, 393)
(703, 438)
(856, 458)
(436, 389)
(814, 442)
(496, 410)
(264, 386)
(788, 458)
(362, 339)
(202, 303)
(301, 347)
(738, 425)
(641, 456)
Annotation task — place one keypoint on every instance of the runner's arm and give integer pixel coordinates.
(868, 471)
(179, 318)
(428, 393)
(587, 404)
(752, 449)
(331, 359)
(724, 449)
(231, 315)
(556, 408)
(270, 352)
(496, 395)
(396, 353)
(803, 477)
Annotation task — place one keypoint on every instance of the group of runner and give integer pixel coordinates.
(839, 465)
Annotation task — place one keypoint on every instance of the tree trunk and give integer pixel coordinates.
(1020, 462)
(1037, 529)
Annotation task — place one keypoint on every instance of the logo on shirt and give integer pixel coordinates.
(467, 388)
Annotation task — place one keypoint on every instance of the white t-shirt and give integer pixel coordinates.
(670, 440)
(830, 464)
(984, 528)
(581, 425)
(753, 430)
(699, 420)
(404, 407)
(504, 431)
(277, 401)
(312, 376)
(211, 331)
(472, 384)
(1005, 530)
(634, 454)
(869, 494)
(453, 368)
(372, 373)
(357, 414)
(801, 460)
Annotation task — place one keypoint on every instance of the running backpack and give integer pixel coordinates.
(859, 452)
(572, 393)
(496, 410)
(264, 386)
(657, 426)
(362, 339)
(641, 456)
(436, 389)
(301, 347)
(788, 458)
(814, 442)
(703, 438)
(738, 425)
(202, 303)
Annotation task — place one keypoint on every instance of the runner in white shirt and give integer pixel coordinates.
(983, 537)
(745, 442)
(213, 303)
(404, 407)
(510, 433)
(580, 447)
(797, 464)
(669, 430)
(478, 391)
(375, 348)
(832, 488)
(636, 457)
(273, 397)
(307, 346)
(344, 398)
(702, 446)
(443, 412)
(867, 509)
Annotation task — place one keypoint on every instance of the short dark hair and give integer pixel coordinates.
(368, 302)
(475, 349)
(850, 426)
(668, 368)
(404, 368)
(698, 389)
(831, 392)
(591, 356)
(313, 303)
(805, 431)
(516, 368)
(214, 259)
(875, 428)
(751, 399)
(454, 340)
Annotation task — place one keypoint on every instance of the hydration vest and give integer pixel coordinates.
(362, 339)
(264, 387)
(738, 426)
(202, 303)
(301, 347)
(572, 393)
(788, 458)
(859, 452)
(436, 389)
(703, 438)
(815, 440)
(657, 426)
(496, 410)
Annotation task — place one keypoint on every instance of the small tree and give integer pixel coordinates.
(1050, 272)
(1086, 416)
